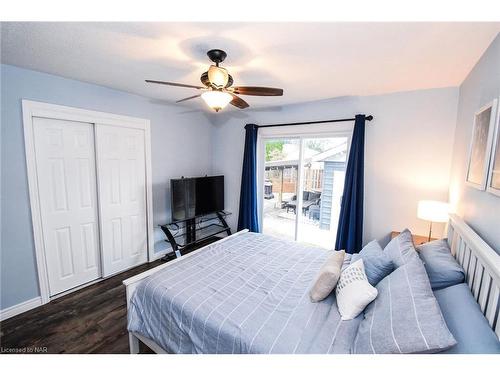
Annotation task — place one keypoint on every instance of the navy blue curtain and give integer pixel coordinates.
(350, 228)
(248, 215)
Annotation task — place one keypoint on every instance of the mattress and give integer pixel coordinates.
(248, 294)
(466, 322)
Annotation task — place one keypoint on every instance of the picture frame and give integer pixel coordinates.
(478, 161)
(493, 185)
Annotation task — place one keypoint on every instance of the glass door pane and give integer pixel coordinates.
(280, 187)
(323, 172)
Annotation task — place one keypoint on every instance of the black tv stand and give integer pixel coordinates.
(187, 235)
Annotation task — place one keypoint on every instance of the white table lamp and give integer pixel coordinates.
(433, 211)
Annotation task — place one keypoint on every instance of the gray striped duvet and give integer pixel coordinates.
(248, 294)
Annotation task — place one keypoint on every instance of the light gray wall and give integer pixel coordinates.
(408, 151)
(481, 210)
(181, 145)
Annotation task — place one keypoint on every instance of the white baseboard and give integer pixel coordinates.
(9, 312)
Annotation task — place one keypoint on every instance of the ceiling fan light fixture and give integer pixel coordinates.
(218, 76)
(218, 90)
(216, 100)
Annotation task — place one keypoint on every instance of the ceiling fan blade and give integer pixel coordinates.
(238, 102)
(188, 98)
(174, 84)
(257, 91)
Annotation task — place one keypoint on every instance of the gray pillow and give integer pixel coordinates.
(400, 250)
(405, 317)
(313, 196)
(327, 277)
(347, 261)
(442, 268)
(377, 263)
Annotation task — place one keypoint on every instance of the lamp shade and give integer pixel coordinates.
(218, 76)
(435, 211)
(216, 99)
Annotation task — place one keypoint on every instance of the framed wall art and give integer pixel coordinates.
(494, 169)
(481, 145)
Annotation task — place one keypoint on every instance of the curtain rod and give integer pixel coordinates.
(368, 118)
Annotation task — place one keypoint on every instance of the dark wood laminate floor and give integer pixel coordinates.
(91, 320)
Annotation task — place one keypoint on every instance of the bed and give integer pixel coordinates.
(248, 293)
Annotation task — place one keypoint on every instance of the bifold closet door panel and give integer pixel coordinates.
(65, 163)
(121, 184)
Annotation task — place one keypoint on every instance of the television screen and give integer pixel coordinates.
(198, 196)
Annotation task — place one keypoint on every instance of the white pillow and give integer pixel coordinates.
(354, 292)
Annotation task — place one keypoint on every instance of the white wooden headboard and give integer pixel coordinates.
(482, 267)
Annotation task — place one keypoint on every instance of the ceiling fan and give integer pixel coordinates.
(218, 89)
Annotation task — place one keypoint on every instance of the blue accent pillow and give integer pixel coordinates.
(347, 261)
(377, 263)
(401, 249)
(442, 268)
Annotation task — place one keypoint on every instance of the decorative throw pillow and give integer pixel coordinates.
(328, 276)
(347, 261)
(405, 317)
(354, 292)
(442, 268)
(377, 263)
(400, 250)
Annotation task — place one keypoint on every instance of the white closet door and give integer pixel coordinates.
(65, 161)
(122, 197)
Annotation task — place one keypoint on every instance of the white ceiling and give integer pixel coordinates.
(310, 61)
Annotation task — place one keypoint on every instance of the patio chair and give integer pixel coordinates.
(309, 198)
(291, 205)
(314, 211)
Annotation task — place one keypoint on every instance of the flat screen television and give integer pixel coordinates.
(192, 197)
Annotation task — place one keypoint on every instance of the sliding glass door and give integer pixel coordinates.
(303, 184)
(280, 186)
(323, 172)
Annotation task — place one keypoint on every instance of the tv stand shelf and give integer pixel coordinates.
(187, 235)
